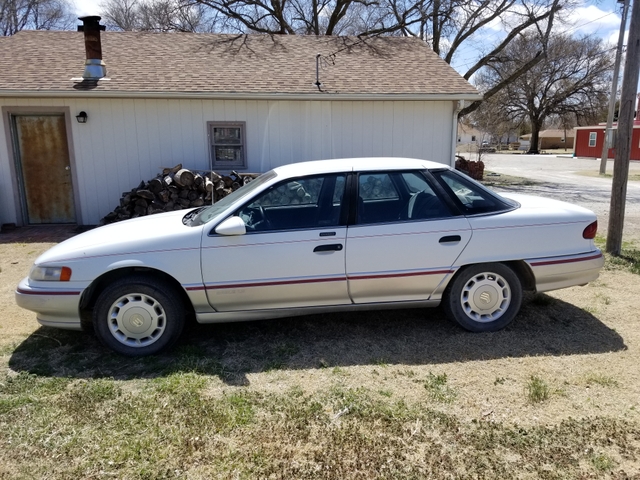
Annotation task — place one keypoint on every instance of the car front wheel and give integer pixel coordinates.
(137, 316)
(484, 297)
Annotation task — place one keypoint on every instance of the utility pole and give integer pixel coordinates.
(625, 133)
(608, 133)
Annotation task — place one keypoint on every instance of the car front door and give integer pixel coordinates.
(293, 254)
(403, 240)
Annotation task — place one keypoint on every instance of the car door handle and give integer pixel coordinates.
(450, 239)
(330, 247)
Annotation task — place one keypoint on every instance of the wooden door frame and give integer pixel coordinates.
(7, 113)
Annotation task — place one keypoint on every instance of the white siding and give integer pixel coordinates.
(126, 141)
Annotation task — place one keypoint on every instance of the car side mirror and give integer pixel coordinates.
(232, 226)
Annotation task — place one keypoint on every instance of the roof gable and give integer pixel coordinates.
(142, 62)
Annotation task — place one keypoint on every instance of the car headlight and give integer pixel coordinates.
(50, 274)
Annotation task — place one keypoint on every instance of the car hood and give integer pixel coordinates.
(154, 232)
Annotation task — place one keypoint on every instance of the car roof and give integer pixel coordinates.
(355, 164)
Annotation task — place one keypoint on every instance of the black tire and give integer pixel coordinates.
(484, 297)
(138, 315)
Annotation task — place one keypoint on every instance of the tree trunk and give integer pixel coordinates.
(536, 126)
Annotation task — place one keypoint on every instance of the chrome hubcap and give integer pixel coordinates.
(486, 297)
(136, 320)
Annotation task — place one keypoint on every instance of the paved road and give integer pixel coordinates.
(563, 178)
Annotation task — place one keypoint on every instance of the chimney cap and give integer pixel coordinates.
(90, 18)
(91, 22)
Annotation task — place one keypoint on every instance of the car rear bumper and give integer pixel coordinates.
(560, 272)
(57, 308)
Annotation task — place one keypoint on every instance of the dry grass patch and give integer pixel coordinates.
(103, 429)
(497, 180)
(633, 177)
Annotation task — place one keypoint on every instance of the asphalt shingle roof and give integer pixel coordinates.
(226, 64)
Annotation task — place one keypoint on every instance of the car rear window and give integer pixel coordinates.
(471, 197)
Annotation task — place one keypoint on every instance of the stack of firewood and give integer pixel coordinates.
(475, 169)
(175, 189)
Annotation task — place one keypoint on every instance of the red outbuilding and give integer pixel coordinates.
(589, 140)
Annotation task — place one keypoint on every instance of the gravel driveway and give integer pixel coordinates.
(567, 178)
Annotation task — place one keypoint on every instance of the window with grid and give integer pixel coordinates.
(228, 145)
(592, 138)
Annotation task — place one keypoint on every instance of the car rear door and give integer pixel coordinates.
(293, 254)
(403, 238)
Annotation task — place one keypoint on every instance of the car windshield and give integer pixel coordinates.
(203, 215)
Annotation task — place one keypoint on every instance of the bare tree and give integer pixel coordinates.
(447, 25)
(158, 16)
(572, 80)
(16, 15)
(120, 14)
(490, 119)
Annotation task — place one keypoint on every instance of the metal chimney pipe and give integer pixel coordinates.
(94, 67)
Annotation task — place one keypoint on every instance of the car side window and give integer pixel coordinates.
(423, 203)
(309, 202)
(397, 196)
(377, 186)
(378, 199)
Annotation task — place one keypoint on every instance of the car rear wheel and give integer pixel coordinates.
(138, 315)
(484, 297)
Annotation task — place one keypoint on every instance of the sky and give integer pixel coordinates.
(599, 17)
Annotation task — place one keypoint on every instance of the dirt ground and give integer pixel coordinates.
(574, 180)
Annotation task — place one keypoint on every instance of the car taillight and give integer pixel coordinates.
(590, 232)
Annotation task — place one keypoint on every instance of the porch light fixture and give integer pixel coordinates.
(82, 117)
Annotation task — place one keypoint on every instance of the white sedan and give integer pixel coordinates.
(313, 237)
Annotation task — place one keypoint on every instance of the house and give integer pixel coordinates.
(553, 139)
(72, 142)
(470, 138)
(470, 135)
(589, 141)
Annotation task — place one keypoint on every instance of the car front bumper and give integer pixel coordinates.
(560, 272)
(54, 307)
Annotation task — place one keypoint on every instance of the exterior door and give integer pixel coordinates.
(293, 254)
(44, 173)
(404, 241)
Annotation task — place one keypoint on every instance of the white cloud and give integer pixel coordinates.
(86, 7)
(591, 19)
(613, 37)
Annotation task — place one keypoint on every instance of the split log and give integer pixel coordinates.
(167, 171)
(164, 195)
(155, 185)
(184, 177)
(192, 195)
(145, 194)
